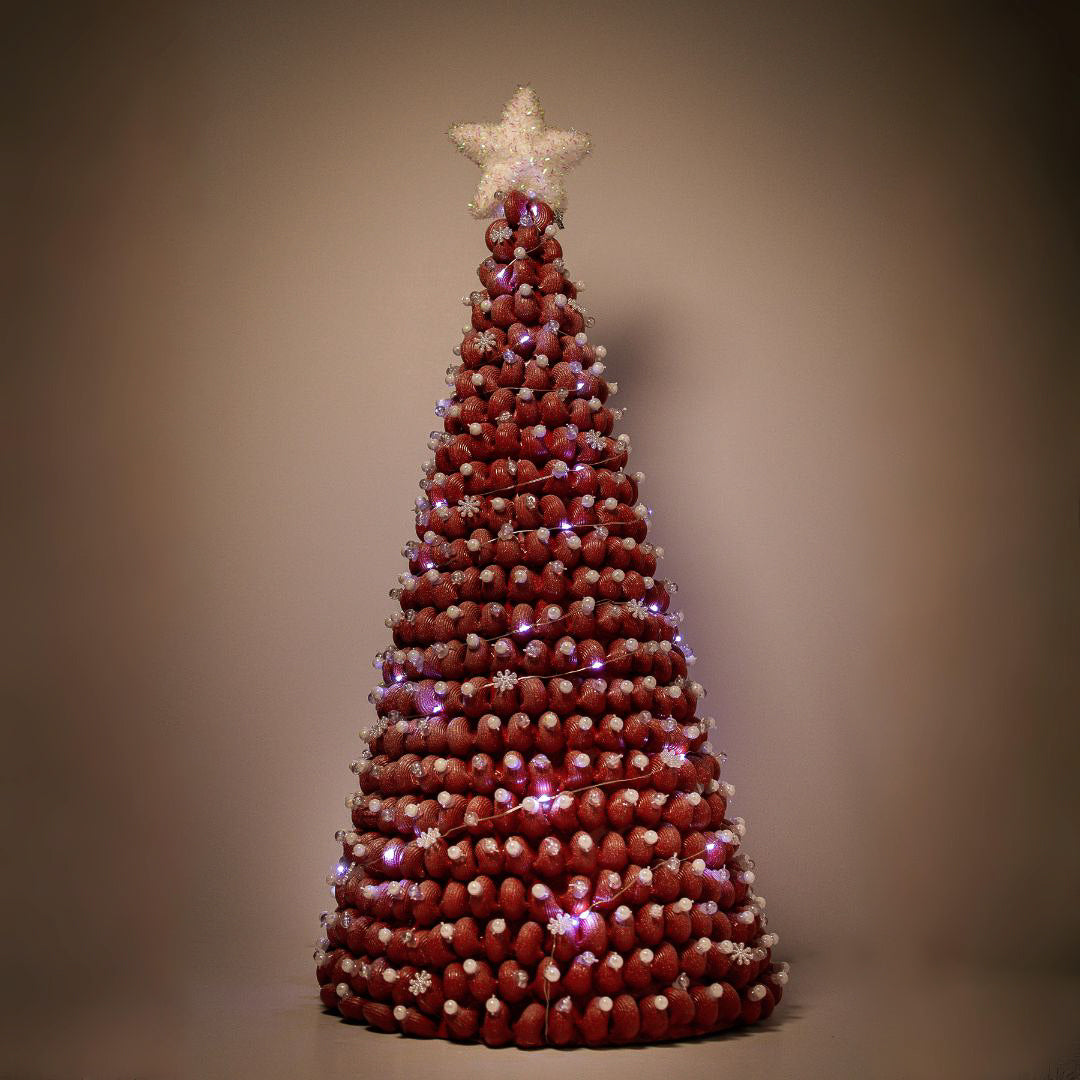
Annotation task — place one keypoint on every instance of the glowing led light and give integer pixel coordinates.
(597, 664)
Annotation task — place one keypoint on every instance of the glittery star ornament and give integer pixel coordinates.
(520, 153)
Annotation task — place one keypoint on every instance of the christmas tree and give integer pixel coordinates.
(540, 851)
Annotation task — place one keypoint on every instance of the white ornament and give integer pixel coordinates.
(469, 506)
(428, 838)
(485, 342)
(504, 680)
(520, 153)
(560, 924)
(742, 954)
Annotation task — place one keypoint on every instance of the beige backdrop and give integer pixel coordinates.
(831, 253)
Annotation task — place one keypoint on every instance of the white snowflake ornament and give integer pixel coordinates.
(485, 341)
(428, 838)
(469, 506)
(742, 954)
(560, 924)
(504, 680)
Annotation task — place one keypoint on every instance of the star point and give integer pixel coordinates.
(520, 153)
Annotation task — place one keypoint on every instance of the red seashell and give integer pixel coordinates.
(495, 1028)
(513, 981)
(515, 203)
(502, 313)
(529, 1026)
(542, 215)
(379, 1015)
(654, 1016)
(625, 1019)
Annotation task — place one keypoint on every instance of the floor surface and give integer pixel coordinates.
(829, 1025)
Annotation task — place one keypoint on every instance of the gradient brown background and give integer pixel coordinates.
(832, 252)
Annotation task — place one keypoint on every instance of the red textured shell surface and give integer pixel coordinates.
(539, 849)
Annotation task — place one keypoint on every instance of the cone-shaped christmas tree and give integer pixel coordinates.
(540, 851)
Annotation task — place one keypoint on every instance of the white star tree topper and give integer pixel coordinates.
(520, 153)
